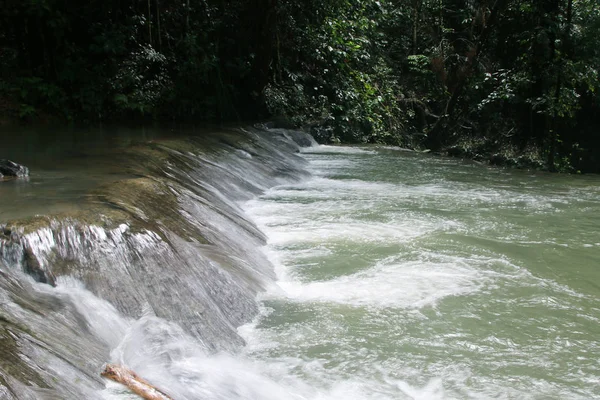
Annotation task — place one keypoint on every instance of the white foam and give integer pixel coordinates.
(442, 195)
(347, 232)
(102, 318)
(334, 188)
(323, 210)
(412, 284)
(162, 353)
(336, 150)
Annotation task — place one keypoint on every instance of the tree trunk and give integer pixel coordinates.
(187, 16)
(265, 28)
(435, 137)
(416, 14)
(136, 384)
(158, 25)
(553, 134)
(149, 24)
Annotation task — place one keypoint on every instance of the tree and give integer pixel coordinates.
(503, 79)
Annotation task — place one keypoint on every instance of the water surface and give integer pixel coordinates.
(65, 165)
(408, 276)
(399, 275)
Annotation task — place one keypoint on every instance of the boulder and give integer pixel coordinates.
(10, 168)
(301, 138)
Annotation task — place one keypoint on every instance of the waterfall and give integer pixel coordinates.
(165, 252)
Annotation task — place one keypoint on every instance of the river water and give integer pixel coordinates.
(399, 275)
(404, 276)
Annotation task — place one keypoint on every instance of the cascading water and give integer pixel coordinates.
(398, 276)
(158, 266)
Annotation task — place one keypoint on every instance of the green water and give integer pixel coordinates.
(66, 165)
(409, 276)
(401, 275)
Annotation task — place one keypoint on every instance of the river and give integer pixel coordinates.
(398, 275)
(403, 275)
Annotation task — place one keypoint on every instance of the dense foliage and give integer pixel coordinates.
(512, 81)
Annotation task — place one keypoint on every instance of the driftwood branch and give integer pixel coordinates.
(136, 384)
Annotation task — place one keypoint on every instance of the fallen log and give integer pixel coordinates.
(135, 383)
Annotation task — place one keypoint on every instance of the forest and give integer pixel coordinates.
(511, 82)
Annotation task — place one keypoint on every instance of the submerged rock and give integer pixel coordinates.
(10, 168)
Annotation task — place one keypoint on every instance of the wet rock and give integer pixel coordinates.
(265, 125)
(500, 160)
(457, 151)
(34, 268)
(10, 168)
(322, 133)
(301, 138)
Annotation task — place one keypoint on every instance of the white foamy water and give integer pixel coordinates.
(336, 150)
(404, 285)
(399, 281)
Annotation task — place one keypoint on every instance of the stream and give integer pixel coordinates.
(236, 264)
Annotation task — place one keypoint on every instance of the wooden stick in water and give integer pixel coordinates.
(135, 383)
